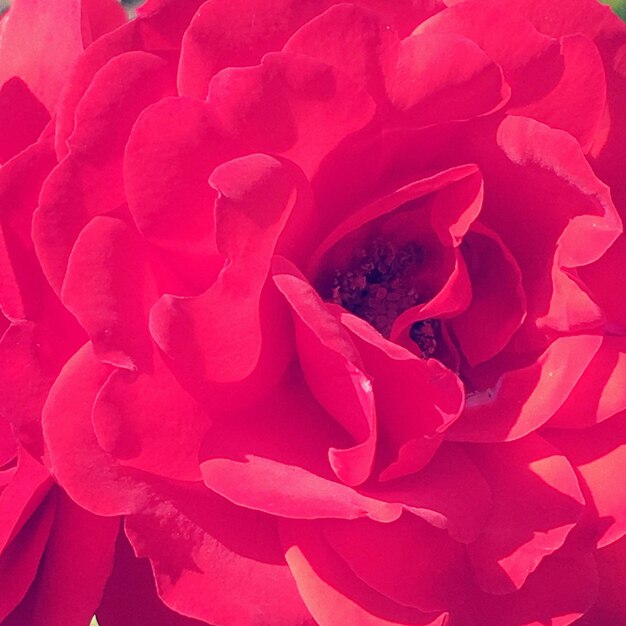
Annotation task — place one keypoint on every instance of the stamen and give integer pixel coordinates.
(424, 334)
(378, 287)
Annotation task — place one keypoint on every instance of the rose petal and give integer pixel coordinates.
(223, 34)
(130, 597)
(599, 454)
(207, 539)
(257, 195)
(498, 305)
(450, 492)
(332, 592)
(430, 580)
(356, 41)
(416, 399)
(467, 83)
(290, 105)
(22, 118)
(334, 373)
(54, 35)
(78, 555)
(147, 421)
(524, 399)
(245, 459)
(600, 392)
(537, 502)
(89, 181)
(108, 288)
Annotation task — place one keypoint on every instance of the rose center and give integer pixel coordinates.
(380, 283)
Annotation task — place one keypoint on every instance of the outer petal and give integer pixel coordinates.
(433, 579)
(72, 574)
(332, 592)
(466, 84)
(89, 181)
(291, 105)
(600, 392)
(599, 455)
(130, 597)
(192, 536)
(450, 492)
(196, 539)
(223, 34)
(108, 288)
(274, 458)
(171, 152)
(147, 421)
(22, 118)
(537, 502)
(524, 399)
(54, 35)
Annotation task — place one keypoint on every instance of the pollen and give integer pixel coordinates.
(379, 284)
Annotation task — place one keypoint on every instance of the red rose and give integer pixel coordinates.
(346, 275)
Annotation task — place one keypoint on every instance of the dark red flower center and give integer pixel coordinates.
(380, 283)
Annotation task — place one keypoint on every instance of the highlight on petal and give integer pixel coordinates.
(524, 399)
(537, 501)
(333, 592)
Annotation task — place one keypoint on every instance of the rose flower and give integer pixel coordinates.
(342, 333)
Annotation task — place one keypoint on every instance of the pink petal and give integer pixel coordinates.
(104, 118)
(576, 103)
(22, 118)
(498, 305)
(76, 564)
(256, 196)
(108, 288)
(171, 152)
(524, 399)
(430, 580)
(466, 84)
(600, 392)
(332, 592)
(356, 41)
(416, 399)
(223, 34)
(450, 492)
(537, 502)
(147, 421)
(335, 375)
(195, 539)
(290, 105)
(130, 596)
(599, 455)
(54, 35)
(274, 458)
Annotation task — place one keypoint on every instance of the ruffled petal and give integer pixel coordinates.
(245, 459)
(88, 182)
(332, 592)
(524, 399)
(537, 502)
(498, 305)
(599, 455)
(291, 105)
(53, 31)
(109, 289)
(256, 197)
